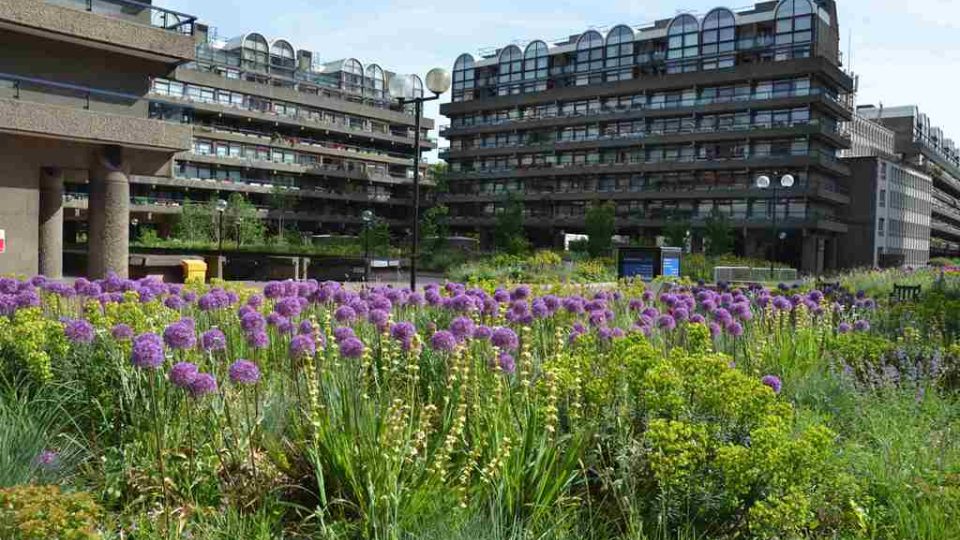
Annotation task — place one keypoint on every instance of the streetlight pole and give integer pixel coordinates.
(438, 82)
(763, 182)
(367, 218)
(221, 209)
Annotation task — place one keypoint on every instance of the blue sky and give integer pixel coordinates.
(905, 51)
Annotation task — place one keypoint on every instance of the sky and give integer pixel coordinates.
(906, 52)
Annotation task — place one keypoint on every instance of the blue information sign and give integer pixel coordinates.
(671, 266)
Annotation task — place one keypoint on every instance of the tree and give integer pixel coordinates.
(376, 237)
(435, 228)
(718, 234)
(676, 230)
(508, 233)
(600, 226)
(242, 218)
(438, 173)
(196, 222)
(280, 201)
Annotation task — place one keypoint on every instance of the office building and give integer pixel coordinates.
(924, 147)
(669, 121)
(118, 113)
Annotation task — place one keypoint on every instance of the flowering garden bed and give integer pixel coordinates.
(136, 409)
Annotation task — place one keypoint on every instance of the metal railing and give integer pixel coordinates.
(58, 93)
(137, 12)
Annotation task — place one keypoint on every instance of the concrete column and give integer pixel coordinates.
(51, 223)
(109, 217)
(811, 261)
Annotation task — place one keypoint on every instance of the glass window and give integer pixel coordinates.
(620, 49)
(683, 43)
(794, 28)
(718, 39)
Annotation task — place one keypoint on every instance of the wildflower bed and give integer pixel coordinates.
(309, 410)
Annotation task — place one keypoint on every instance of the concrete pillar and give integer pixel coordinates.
(811, 258)
(51, 223)
(109, 217)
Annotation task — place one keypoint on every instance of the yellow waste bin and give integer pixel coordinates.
(194, 270)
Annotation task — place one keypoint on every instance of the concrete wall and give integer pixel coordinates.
(97, 30)
(19, 213)
(857, 246)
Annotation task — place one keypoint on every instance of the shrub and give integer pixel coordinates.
(46, 513)
(717, 448)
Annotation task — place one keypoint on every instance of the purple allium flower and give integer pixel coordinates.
(403, 331)
(27, 299)
(862, 325)
(462, 328)
(213, 340)
(735, 329)
(182, 374)
(147, 351)
(714, 329)
(482, 333)
(189, 296)
(666, 322)
(47, 460)
(520, 293)
(345, 315)
(343, 333)
(174, 302)
(306, 327)
(302, 347)
(121, 332)
(781, 303)
(288, 307)
(274, 289)
(773, 382)
(244, 372)
(505, 338)
(844, 327)
(252, 321)
(696, 318)
(180, 335)
(351, 348)
(202, 384)
(539, 309)
(507, 363)
(258, 339)
(573, 305)
(379, 318)
(415, 300)
(443, 340)
(79, 331)
(255, 301)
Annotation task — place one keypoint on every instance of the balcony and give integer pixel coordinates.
(123, 26)
(38, 107)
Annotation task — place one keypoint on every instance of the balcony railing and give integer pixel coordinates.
(137, 12)
(659, 106)
(71, 95)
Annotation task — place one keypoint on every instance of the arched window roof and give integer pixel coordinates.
(254, 51)
(417, 85)
(282, 48)
(620, 34)
(255, 41)
(376, 82)
(789, 8)
(510, 65)
(717, 38)
(590, 51)
(536, 60)
(795, 29)
(683, 38)
(620, 51)
(352, 66)
(463, 76)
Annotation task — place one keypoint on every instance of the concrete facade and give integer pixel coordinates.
(71, 92)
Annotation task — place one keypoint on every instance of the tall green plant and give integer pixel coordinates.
(718, 234)
(508, 235)
(600, 226)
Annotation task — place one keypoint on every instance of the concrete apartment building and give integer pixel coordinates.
(891, 202)
(114, 114)
(673, 120)
(73, 78)
(924, 146)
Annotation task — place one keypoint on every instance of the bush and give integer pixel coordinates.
(715, 447)
(46, 513)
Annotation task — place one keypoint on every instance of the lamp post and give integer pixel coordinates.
(401, 88)
(786, 182)
(367, 218)
(221, 209)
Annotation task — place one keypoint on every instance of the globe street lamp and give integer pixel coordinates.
(401, 87)
(786, 182)
(367, 218)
